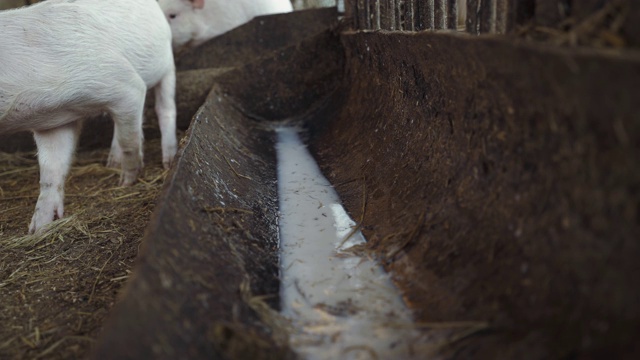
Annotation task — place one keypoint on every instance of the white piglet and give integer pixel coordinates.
(196, 21)
(62, 61)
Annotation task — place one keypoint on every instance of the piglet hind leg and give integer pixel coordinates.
(55, 153)
(166, 112)
(127, 117)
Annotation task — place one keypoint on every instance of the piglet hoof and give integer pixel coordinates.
(169, 150)
(47, 210)
(129, 177)
(166, 163)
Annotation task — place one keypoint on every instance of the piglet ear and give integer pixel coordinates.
(197, 4)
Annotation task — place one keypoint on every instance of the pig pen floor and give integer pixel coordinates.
(55, 291)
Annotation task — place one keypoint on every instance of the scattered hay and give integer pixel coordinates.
(280, 326)
(51, 232)
(57, 287)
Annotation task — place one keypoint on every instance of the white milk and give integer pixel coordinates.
(343, 306)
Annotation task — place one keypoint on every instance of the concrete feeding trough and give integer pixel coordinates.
(496, 180)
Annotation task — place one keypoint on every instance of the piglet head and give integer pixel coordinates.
(181, 15)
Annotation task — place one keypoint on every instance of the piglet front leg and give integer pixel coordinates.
(55, 153)
(50, 206)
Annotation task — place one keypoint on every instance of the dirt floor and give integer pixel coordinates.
(56, 289)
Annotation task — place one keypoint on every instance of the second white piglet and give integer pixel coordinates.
(196, 21)
(62, 61)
